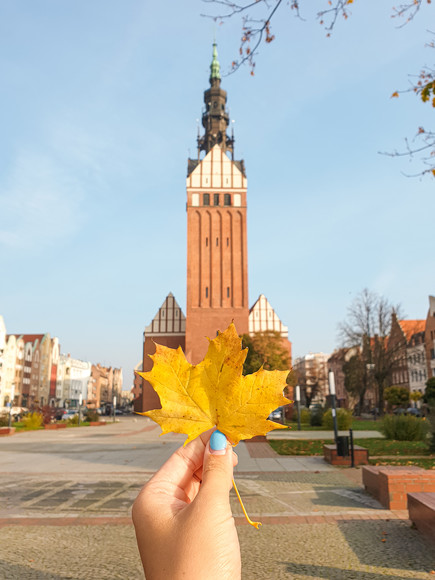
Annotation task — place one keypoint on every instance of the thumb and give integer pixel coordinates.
(217, 471)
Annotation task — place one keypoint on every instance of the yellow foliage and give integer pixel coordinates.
(214, 393)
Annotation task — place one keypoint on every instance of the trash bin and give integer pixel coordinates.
(343, 445)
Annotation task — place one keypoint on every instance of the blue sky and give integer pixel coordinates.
(99, 104)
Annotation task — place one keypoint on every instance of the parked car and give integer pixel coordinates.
(413, 411)
(60, 414)
(70, 413)
(276, 415)
(399, 411)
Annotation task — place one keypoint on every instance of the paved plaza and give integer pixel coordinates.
(65, 500)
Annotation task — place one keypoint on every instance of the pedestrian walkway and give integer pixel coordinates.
(73, 520)
(295, 434)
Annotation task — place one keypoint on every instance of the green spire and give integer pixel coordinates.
(215, 69)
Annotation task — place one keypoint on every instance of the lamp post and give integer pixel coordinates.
(298, 404)
(80, 406)
(11, 402)
(370, 368)
(334, 409)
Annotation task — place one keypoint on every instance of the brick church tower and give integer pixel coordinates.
(217, 253)
(217, 258)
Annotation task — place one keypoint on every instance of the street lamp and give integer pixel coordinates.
(80, 406)
(334, 409)
(11, 402)
(298, 404)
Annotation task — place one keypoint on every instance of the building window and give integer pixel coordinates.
(217, 241)
(206, 291)
(228, 291)
(228, 242)
(206, 199)
(216, 199)
(227, 199)
(206, 242)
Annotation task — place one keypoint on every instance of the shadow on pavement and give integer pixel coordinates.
(313, 571)
(11, 571)
(376, 542)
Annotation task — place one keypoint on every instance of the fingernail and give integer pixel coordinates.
(218, 443)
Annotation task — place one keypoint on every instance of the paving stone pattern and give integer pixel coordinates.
(65, 502)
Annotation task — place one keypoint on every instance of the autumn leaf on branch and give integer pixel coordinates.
(214, 393)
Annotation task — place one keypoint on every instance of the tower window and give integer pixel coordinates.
(217, 241)
(228, 242)
(228, 291)
(206, 242)
(206, 199)
(206, 291)
(216, 199)
(227, 199)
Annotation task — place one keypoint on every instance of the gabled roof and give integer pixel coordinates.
(262, 317)
(168, 320)
(411, 327)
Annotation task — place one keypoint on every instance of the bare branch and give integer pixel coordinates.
(329, 17)
(254, 30)
(407, 10)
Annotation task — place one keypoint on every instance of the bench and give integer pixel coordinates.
(361, 455)
(421, 506)
(390, 485)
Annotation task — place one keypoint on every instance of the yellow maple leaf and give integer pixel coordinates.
(214, 393)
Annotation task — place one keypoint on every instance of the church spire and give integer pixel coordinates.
(215, 68)
(215, 117)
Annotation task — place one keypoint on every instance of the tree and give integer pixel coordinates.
(368, 326)
(256, 26)
(429, 399)
(356, 379)
(396, 395)
(415, 396)
(267, 349)
(429, 393)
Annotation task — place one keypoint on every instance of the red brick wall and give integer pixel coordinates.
(217, 274)
(149, 399)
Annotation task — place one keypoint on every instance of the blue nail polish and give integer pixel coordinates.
(218, 441)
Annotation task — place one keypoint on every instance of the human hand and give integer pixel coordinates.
(182, 516)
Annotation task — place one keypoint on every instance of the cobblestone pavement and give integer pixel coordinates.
(317, 524)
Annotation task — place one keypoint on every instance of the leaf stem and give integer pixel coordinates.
(248, 519)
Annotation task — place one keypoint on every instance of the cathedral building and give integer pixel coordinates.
(217, 249)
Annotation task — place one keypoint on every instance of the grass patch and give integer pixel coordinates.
(374, 446)
(299, 446)
(357, 425)
(424, 462)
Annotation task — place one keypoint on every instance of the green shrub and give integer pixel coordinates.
(344, 420)
(404, 428)
(4, 419)
(33, 421)
(316, 417)
(92, 415)
(74, 420)
(305, 415)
